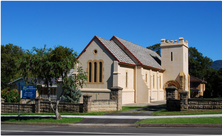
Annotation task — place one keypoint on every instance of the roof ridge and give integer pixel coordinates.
(137, 45)
(102, 38)
(105, 39)
(138, 52)
(107, 43)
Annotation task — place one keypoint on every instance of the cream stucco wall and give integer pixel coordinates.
(126, 81)
(154, 82)
(143, 95)
(172, 68)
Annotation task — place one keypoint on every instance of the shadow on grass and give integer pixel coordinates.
(153, 108)
(40, 120)
(8, 119)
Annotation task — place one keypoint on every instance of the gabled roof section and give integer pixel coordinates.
(117, 51)
(113, 49)
(95, 37)
(144, 56)
(129, 53)
(15, 80)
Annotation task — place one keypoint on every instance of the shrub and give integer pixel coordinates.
(10, 95)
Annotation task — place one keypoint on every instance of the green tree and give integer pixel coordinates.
(210, 77)
(199, 66)
(218, 84)
(46, 64)
(72, 86)
(10, 54)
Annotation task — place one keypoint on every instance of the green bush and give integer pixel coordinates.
(10, 95)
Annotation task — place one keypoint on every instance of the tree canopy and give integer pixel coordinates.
(45, 64)
(10, 54)
(199, 66)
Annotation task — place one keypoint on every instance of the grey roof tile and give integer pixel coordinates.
(117, 51)
(145, 56)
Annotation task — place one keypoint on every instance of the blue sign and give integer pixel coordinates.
(28, 91)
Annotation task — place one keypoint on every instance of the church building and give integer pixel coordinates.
(141, 72)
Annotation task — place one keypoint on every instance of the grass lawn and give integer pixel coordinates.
(202, 120)
(188, 112)
(124, 108)
(42, 120)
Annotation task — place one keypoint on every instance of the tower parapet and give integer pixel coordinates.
(174, 43)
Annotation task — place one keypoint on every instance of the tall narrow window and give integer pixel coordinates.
(146, 77)
(100, 71)
(95, 71)
(153, 81)
(126, 79)
(171, 56)
(90, 71)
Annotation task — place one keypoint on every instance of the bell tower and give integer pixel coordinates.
(174, 59)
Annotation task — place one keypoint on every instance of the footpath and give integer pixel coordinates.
(121, 119)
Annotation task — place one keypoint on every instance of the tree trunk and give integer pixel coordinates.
(56, 111)
(58, 116)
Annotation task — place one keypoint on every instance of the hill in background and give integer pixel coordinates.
(217, 64)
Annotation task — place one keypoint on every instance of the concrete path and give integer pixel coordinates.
(147, 111)
(154, 103)
(118, 117)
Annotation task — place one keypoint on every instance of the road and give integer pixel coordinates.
(69, 130)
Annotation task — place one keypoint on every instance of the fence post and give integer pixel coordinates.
(183, 100)
(2, 105)
(37, 105)
(170, 95)
(116, 94)
(87, 103)
(171, 92)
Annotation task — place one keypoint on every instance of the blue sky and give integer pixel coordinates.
(75, 23)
